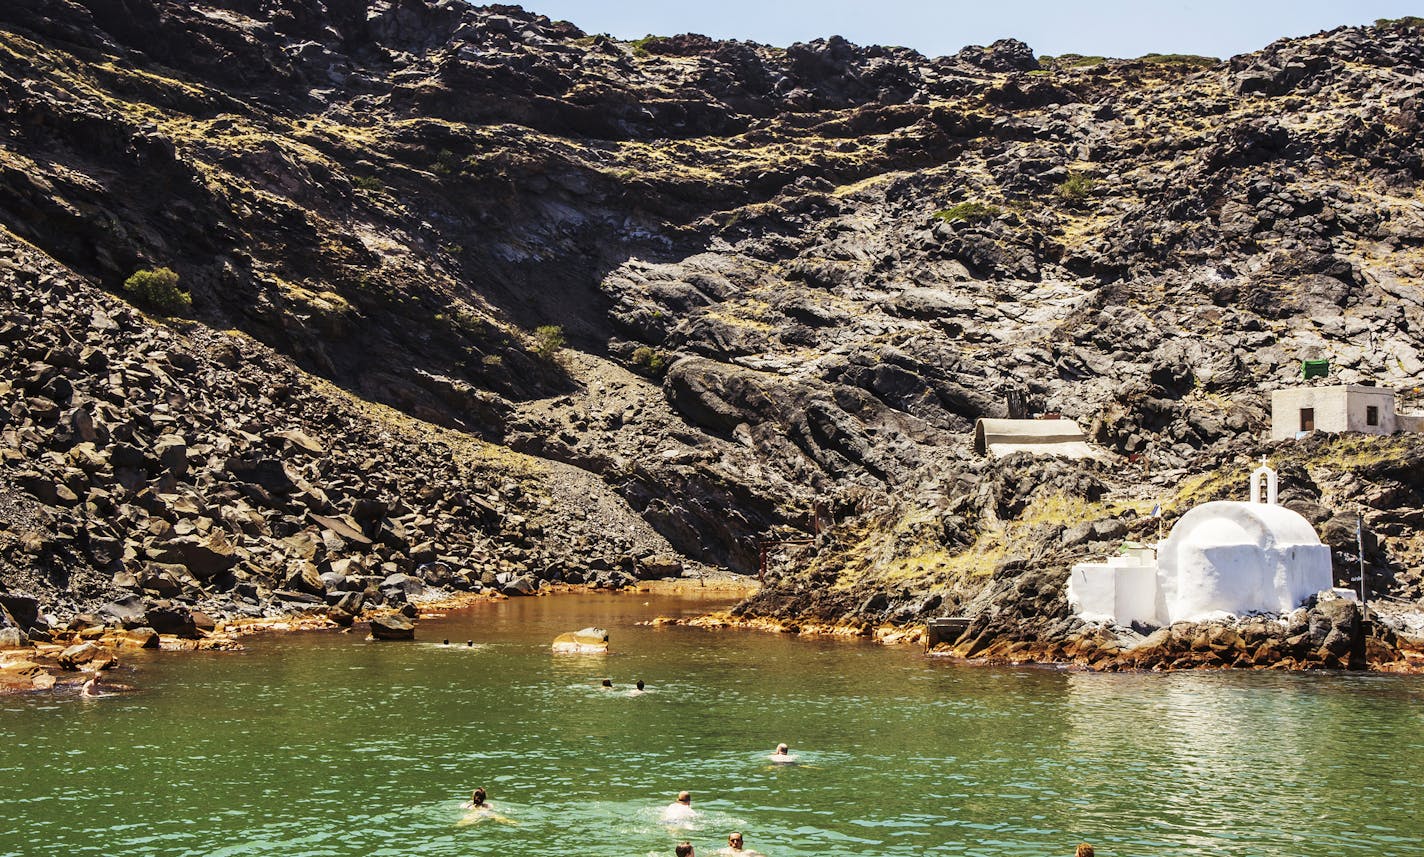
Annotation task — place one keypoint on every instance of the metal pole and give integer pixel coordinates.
(1360, 546)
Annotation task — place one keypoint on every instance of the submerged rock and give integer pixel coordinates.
(392, 626)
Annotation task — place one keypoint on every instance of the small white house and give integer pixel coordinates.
(1344, 407)
(1221, 558)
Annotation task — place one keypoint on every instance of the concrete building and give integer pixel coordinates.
(1345, 407)
(1224, 558)
(998, 438)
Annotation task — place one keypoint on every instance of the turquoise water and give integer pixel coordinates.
(322, 744)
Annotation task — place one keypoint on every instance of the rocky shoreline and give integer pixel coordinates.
(1329, 635)
(471, 300)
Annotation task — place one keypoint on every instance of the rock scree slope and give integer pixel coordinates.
(788, 281)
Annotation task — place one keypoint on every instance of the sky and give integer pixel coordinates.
(1116, 28)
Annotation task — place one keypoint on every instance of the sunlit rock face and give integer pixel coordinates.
(1229, 557)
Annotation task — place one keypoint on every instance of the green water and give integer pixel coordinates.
(322, 744)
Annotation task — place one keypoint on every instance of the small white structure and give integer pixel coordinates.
(1221, 559)
(1121, 589)
(1345, 407)
(998, 438)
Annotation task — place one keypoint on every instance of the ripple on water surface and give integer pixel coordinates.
(323, 744)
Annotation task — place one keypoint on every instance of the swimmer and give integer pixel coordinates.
(783, 756)
(683, 849)
(444, 642)
(735, 847)
(637, 691)
(469, 644)
(680, 810)
(1083, 850)
(607, 684)
(91, 688)
(480, 808)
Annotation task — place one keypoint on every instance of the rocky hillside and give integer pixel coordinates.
(788, 279)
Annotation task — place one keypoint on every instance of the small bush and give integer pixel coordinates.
(650, 360)
(158, 289)
(640, 46)
(370, 183)
(969, 212)
(1408, 22)
(548, 340)
(1070, 61)
(1077, 187)
(1193, 60)
(492, 361)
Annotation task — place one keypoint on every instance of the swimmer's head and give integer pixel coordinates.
(734, 840)
(444, 642)
(477, 797)
(469, 642)
(1083, 850)
(684, 797)
(683, 849)
(640, 684)
(781, 749)
(608, 682)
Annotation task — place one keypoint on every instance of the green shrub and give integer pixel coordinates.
(1408, 22)
(1069, 61)
(650, 360)
(548, 340)
(158, 289)
(370, 183)
(1077, 187)
(969, 212)
(1193, 60)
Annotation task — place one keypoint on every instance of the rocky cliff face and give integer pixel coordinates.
(789, 279)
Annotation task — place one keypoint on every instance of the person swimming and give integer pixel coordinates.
(679, 810)
(638, 689)
(783, 755)
(683, 849)
(735, 847)
(607, 684)
(481, 809)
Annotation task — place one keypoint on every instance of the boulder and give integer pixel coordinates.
(268, 473)
(128, 612)
(22, 610)
(655, 567)
(79, 654)
(582, 642)
(13, 638)
(304, 577)
(525, 585)
(392, 626)
(404, 583)
(171, 619)
(172, 453)
(203, 556)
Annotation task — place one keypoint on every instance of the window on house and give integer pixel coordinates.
(1307, 419)
(1371, 415)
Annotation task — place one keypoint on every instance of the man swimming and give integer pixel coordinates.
(736, 849)
(638, 689)
(680, 810)
(783, 756)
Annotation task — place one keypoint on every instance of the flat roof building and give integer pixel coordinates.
(1345, 407)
